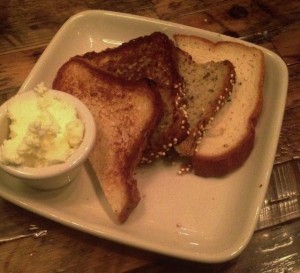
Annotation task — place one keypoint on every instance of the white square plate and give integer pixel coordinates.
(200, 219)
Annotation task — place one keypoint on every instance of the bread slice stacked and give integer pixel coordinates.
(151, 57)
(175, 73)
(126, 113)
(230, 139)
(149, 96)
(208, 86)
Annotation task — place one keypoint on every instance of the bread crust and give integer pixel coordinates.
(223, 164)
(220, 164)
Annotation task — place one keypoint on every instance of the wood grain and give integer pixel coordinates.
(238, 18)
(289, 144)
(287, 42)
(33, 23)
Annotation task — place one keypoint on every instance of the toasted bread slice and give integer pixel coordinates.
(208, 86)
(125, 113)
(150, 57)
(230, 139)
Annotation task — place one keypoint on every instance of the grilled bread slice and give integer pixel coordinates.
(125, 113)
(208, 86)
(230, 139)
(151, 57)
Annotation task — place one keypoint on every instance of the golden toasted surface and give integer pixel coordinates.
(126, 114)
(151, 57)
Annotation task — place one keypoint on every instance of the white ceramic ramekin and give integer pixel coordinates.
(58, 175)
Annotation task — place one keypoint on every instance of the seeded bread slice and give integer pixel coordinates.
(151, 57)
(208, 86)
(230, 139)
(126, 113)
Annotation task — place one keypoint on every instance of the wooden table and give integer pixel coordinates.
(26, 27)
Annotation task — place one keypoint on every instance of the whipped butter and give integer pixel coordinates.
(44, 130)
